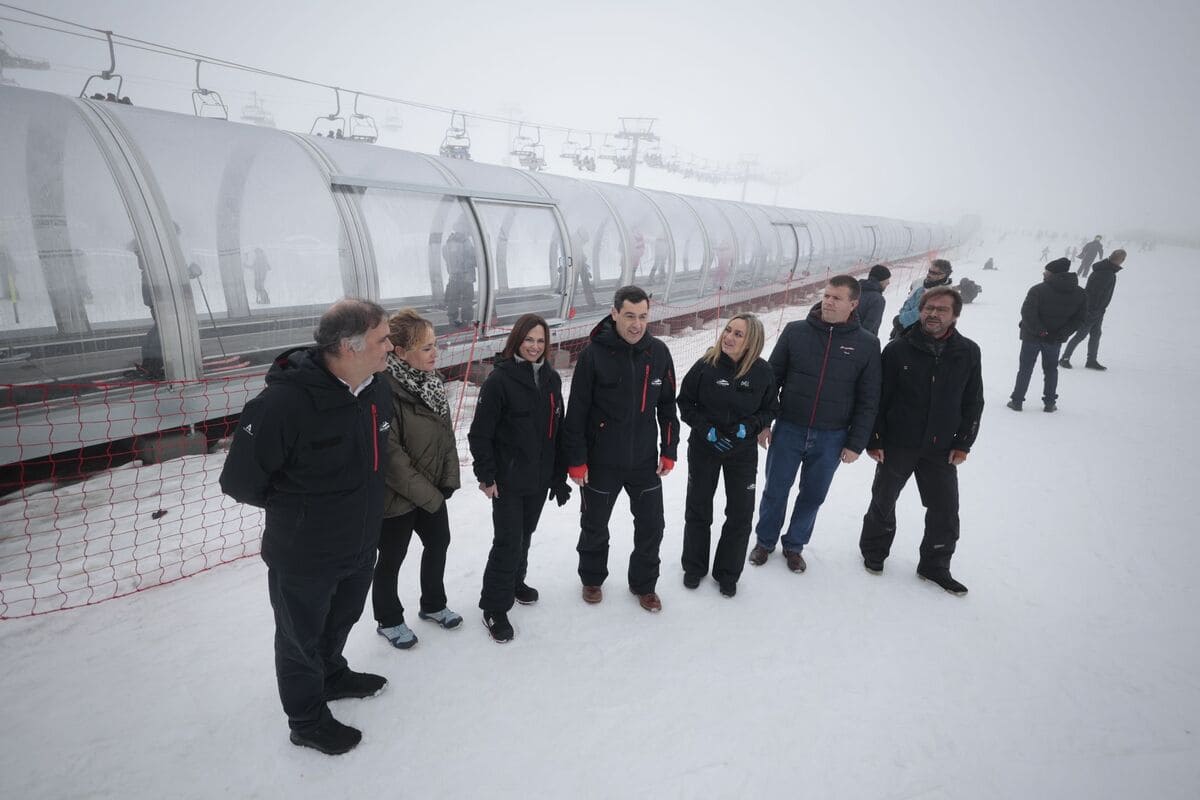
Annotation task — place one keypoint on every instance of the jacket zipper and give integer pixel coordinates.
(375, 435)
(553, 411)
(645, 386)
(821, 380)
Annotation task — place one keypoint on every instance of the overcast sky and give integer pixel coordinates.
(1081, 116)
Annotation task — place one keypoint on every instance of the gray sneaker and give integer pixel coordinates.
(400, 636)
(445, 617)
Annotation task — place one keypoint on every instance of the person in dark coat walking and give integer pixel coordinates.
(622, 432)
(871, 302)
(827, 368)
(310, 449)
(1090, 252)
(515, 441)
(929, 415)
(727, 397)
(1099, 294)
(422, 473)
(1052, 311)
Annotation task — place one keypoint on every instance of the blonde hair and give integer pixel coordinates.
(755, 338)
(407, 328)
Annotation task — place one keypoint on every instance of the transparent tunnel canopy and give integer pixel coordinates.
(688, 239)
(487, 178)
(70, 285)
(595, 241)
(265, 248)
(749, 252)
(379, 163)
(722, 246)
(643, 227)
(528, 254)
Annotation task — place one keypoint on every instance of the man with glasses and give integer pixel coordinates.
(938, 275)
(929, 411)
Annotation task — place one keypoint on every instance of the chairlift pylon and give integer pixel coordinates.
(457, 142)
(208, 102)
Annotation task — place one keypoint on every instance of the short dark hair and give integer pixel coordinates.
(942, 291)
(847, 282)
(942, 264)
(521, 328)
(630, 294)
(348, 319)
(879, 272)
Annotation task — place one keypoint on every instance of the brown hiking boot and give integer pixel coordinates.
(649, 601)
(592, 594)
(795, 561)
(758, 556)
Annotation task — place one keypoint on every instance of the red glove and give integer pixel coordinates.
(666, 464)
(577, 473)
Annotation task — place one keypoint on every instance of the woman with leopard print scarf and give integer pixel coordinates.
(422, 472)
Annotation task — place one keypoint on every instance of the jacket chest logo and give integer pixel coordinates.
(385, 427)
(846, 349)
(744, 383)
(656, 382)
(722, 382)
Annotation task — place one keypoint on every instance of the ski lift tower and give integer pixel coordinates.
(11, 60)
(636, 130)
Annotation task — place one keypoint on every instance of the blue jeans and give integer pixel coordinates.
(1029, 356)
(816, 454)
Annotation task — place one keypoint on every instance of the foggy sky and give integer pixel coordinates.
(1070, 115)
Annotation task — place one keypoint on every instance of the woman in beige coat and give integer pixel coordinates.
(422, 472)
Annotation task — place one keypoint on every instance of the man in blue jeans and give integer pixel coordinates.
(827, 368)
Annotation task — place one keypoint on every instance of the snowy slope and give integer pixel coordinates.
(1072, 669)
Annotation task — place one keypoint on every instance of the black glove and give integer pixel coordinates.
(446, 493)
(560, 493)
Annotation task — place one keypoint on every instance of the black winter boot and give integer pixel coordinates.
(329, 736)
(943, 579)
(1015, 405)
(526, 595)
(354, 684)
(498, 625)
(1096, 365)
(1064, 362)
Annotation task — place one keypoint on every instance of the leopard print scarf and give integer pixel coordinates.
(425, 386)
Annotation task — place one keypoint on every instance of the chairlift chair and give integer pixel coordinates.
(392, 123)
(361, 127)
(530, 152)
(653, 157)
(207, 102)
(256, 114)
(108, 74)
(457, 142)
(570, 148)
(332, 125)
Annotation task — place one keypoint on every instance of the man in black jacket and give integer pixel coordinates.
(929, 414)
(1099, 294)
(1052, 311)
(870, 300)
(827, 368)
(309, 449)
(1089, 253)
(624, 381)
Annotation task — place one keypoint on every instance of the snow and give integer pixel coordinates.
(1072, 669)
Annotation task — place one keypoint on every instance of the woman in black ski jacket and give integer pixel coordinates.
(727, 397)
(515, 446)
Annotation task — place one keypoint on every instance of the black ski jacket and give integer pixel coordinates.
(618, 392)
(1054, 309)
(828, 376)
(712, 396)
(516, 435)
(1100, 286)
(932, 393)
(1090, 252)
(313, 455)
(871, 304)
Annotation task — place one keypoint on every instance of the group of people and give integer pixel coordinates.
(1057, 311)
(350, 449)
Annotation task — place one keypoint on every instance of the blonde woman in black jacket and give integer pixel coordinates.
(515, 446)
(422, 472)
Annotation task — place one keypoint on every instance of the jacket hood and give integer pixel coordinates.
(304, 367)
(814, 319)
(605, 333)
(1065, 282)
(1106, 266)
(869, 285)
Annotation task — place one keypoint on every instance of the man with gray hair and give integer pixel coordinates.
(310, 450)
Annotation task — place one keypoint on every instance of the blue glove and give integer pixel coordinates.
(720, 444)
(712, 434)
(741, 434)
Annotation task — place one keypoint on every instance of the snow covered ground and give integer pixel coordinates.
(1072, 669)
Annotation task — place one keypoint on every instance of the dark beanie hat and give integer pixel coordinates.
(1059, 265)
(879, 273)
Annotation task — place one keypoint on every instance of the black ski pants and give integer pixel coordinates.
(313, 617)
(937, 481)
(598, 497)
(705, 466)
(514, 519)
(1091, 330)
(434, 532)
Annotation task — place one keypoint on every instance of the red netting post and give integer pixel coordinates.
(466, 377)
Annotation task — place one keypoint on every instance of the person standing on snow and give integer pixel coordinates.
(1090, 252)
(929, 414)
(871, 302)
(827, 368)
(516, 446)
(727, 397)
(624, 384)
(1052, 311)
(310, 449)
(1100, 287)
